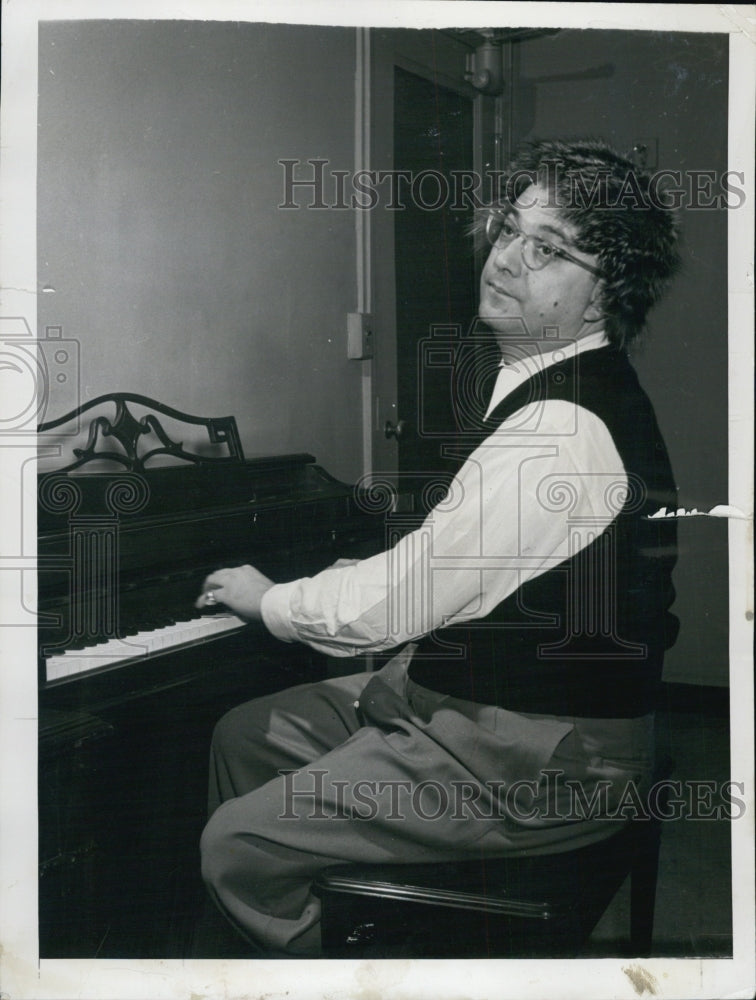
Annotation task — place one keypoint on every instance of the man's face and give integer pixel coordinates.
(561, 295)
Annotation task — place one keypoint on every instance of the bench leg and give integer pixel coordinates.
(643, 878)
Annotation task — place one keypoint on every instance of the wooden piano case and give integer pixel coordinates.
(124, 544)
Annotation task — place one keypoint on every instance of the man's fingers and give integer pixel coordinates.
(210, 594)
(207, 599)
(240, 589)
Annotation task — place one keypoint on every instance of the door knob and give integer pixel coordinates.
(397, 431)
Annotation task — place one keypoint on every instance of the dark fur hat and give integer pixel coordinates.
(619, 216)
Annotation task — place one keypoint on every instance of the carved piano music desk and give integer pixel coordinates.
(132, 679)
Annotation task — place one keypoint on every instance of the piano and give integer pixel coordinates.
(131, 677)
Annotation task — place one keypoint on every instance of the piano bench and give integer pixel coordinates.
(506, 907)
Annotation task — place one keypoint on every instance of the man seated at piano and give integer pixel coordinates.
(530, 612)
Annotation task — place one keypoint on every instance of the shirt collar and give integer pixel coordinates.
(512, 374)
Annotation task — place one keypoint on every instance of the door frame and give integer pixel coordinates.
(437, 56)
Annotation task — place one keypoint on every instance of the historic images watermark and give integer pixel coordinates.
(549, 798)
(315, 184)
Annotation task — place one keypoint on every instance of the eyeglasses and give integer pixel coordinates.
(536, 253)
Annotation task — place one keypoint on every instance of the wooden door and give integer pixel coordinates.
(424, 131)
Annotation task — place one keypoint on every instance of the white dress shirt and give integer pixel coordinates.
(527, 498)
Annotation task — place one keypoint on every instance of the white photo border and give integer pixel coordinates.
(22, 974)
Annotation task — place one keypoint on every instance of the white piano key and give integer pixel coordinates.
(113, 652)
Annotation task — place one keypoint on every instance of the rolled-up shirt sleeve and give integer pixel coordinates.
(509, 515)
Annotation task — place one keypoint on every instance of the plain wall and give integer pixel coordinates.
(160, 233)
(626, 86)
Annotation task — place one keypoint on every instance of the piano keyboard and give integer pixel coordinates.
(117, 652)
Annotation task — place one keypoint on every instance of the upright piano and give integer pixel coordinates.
(131, 677)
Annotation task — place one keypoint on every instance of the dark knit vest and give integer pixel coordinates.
(586, 637)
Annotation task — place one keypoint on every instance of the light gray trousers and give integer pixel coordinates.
(373, 768)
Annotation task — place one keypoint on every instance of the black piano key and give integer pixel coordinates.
(79, 644)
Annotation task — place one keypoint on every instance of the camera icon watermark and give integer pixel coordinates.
(462, 366)
(35, 374)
